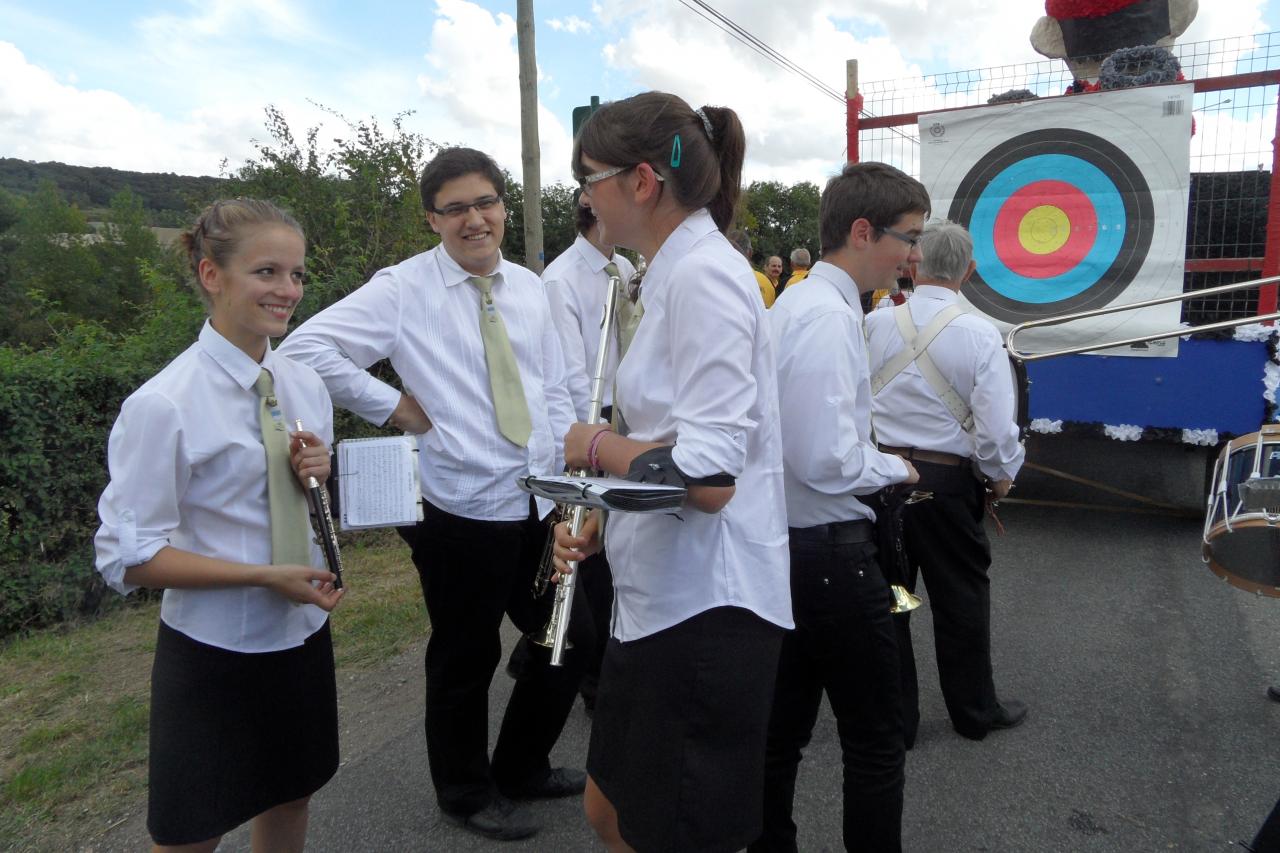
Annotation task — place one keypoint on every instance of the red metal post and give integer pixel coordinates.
(1271, 259)
(853, 107)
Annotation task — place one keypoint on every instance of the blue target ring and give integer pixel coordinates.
(1107, 203)
(1100, 172)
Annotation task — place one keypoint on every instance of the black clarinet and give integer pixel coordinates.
(318, 498)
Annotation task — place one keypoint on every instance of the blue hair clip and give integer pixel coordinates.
(676, 152)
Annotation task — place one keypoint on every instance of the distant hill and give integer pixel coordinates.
(167, 197)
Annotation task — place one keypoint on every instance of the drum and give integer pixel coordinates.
(1242, 520)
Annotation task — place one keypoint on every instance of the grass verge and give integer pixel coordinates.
(73, 756)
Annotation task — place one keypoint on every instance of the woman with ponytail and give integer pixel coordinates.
(702, 597)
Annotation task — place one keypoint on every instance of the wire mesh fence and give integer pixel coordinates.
(1231, 149)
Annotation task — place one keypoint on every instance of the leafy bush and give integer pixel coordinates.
(358, 202)
(57, 406)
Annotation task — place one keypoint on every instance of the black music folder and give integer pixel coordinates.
(605, 493)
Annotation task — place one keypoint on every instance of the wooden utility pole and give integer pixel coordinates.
(531, 153)
(853, 109)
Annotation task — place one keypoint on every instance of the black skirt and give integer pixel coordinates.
(235, 734)
(678, 737)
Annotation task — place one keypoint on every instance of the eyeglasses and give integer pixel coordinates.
(453, 211)
(913, 242)
(586, 183)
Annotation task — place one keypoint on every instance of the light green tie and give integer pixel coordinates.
(628, 316)
(290, 520)
(629, 313)
(504, 374)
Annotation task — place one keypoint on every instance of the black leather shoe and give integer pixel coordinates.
(501, 820)
(520, 660)
(1273, 693)
(1009, 714)
(559, 782)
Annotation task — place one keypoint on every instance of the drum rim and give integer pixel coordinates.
(1237, 581)
(1243, 522)
(1251, 439)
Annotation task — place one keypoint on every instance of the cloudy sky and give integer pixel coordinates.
(180, 86)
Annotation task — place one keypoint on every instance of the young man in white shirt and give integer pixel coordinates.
(844, 643)
(471, 337)
(577, 285)
(944, 537)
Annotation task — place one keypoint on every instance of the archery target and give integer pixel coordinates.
(1074, 203)
(1048, 246)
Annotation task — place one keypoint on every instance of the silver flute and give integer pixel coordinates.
(555, 635)
(318, 498)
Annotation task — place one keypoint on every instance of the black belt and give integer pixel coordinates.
(934, 457)
(836, 532)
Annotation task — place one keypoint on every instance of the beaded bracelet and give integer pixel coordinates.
(592, 459)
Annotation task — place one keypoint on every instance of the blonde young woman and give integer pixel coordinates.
(243, 703)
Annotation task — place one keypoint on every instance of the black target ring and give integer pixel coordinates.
(1131, 188)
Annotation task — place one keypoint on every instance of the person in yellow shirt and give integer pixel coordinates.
(800, 263)
(768, 292)
(773, 270)
(742, 242)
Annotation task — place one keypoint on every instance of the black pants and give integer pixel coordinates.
(596, 585)
(844, 645)
(1268, 838)
(947, 544)
(472, 572)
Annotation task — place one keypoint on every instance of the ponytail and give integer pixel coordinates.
(702, 169)
(730, 145)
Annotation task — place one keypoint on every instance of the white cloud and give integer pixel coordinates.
(572, 24)
(472, 97)
(796, 133)
(42, 119)
(204, 71)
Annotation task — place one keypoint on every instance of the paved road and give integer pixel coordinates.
(1149, 727)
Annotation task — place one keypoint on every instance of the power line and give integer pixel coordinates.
(711, 15)
(708, 13)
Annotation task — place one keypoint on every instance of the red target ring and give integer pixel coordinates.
(1045, 229)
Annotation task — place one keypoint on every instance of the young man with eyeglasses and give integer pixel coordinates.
(871, 216)
(471, 337)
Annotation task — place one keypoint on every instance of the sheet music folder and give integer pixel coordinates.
(378, 482)
(605, 493)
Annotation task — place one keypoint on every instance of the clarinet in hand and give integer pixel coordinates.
(318, 498)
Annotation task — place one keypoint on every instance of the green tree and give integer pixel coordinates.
(358, 201)
(780, 218)
(127, 247)
(559, 221)
(12, 299)
(52, 277)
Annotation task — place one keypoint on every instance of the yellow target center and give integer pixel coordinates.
(1045, 229)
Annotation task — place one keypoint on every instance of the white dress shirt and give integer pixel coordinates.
(424, 315)
(188, 470)
(825, 392)
(576, 288)
(700, 373)
(970, 355)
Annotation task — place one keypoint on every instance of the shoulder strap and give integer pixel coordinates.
(916, 350)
